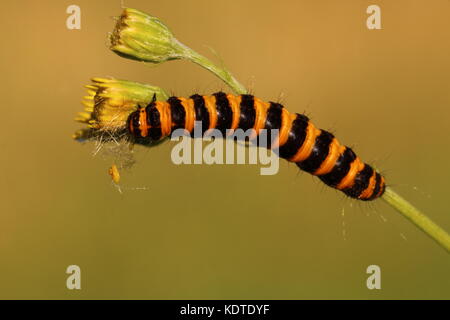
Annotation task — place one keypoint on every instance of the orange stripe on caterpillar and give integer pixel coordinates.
(313, 150)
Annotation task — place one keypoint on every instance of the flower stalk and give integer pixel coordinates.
(142, 37)
(418, 218)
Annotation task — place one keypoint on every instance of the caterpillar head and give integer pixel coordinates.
(143, 124)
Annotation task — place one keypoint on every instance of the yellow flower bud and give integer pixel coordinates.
(142, 37)
(109, 102)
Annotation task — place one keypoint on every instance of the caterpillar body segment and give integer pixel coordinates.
(313, 150)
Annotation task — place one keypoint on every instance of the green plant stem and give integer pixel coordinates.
(418, 218)
(220, 72)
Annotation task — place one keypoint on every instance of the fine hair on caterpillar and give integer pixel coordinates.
(313, 150)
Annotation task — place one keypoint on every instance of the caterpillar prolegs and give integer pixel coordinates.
(313, 150)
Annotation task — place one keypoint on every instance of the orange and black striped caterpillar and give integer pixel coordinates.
(313, 150)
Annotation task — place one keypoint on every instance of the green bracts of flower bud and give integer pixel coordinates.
(142, 37)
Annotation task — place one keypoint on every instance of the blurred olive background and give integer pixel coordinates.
(224, 231)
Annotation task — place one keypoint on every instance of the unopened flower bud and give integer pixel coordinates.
(142, 37)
